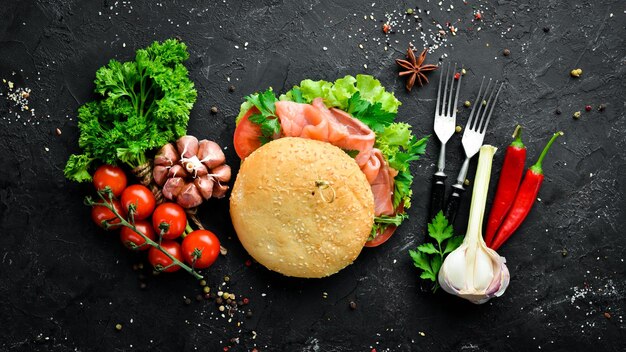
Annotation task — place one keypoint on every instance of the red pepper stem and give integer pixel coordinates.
(517, 135)
(537, 169)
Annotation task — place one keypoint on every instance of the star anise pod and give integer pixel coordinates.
(414, 68)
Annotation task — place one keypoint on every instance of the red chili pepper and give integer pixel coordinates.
(508, 184)
(524, 199)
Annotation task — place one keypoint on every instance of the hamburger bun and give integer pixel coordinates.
(302, 207)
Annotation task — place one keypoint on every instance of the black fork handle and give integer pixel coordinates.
(454, 202)
(438, 193)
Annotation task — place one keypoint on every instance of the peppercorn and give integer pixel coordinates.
(187, 301)
(226, 278)
(249, 314)
(466, 182)
(557, 111)
(58, 131)
(118, 327)
(219, 300)
(602, 107)
(546, 29)
(140, 266)
(206, 289)
(577, 115)
(588, 108)
(214, 110)
(463, 71)
(506, 52)
(246, 301)
(607, 315)
(233, 304)
(484, 102)
(202, 282)
(352, 305)
(564, 252)
(409, 11)
(221, 308)
(228, 301)
(576, 72)
(231, 88)
(467, 104)
(458, 129)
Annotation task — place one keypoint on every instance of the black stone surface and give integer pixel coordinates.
(65, 284)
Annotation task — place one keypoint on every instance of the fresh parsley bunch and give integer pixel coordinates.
(429, 256)
(145, 105)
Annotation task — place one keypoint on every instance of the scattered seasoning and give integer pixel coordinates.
(564, 252)
(576, 115)
(231, 88)
(601, 107)
(221, 308)
(546, 29)
(118, 327)
(142, 285)
(478, 16)
(458, 129)
(352, 305)
(214, 110)
(463, 71)
(199, 297)
(226, 278)
(187, 300)
(576, 72)
(246, 300)
(607, 315)
(466, 182)
(219, 300)
(588, 108)
(506, 52)
(467, 104)
(58, 131)
(249, 314)
(457, 76)
(484, 102)
(409, 11)
(414, 67)
(557, 111)
(386, 28)
(203, 282)
(206, 289)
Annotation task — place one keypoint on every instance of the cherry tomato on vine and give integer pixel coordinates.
(112, 176)
(100, 213)
(171, 214)
(160, 260)
(142, 198)
(203, 242)
(133, 240)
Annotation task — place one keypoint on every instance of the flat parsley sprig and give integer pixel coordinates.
(266, 118)
(429, 256)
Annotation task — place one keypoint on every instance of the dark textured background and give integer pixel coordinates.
(65, 284)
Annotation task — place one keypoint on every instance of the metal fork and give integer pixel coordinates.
(472, 140)
(445, 122)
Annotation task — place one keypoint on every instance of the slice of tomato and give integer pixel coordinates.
(247, 134)
(383, 237)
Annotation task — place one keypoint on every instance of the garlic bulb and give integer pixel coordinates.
(474, 271)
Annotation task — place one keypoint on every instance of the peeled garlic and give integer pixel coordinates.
(474, 271)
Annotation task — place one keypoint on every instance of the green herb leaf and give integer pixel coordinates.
(145, 104)
(266, 119)
(429, 256)
(371, 114)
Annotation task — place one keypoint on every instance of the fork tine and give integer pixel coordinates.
(456, 98)
(481, 108)
(471, 117)
(481, 122)
(445, 91)
(450, 106)
(492, 107)
(437, 111)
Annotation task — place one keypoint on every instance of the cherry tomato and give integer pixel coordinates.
(247, 134)
(173, 215)
(112, 176)
(100, 213)
(133, 240)
(142, 198)
(206, 243)
(158, 259)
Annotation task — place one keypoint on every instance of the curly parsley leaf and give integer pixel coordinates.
(371, 114)
(429, 256)
(145, 104)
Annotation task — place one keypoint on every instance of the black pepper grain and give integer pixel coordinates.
(233, 304)
(219, 300)
(214, 110)
(228, 301)
(546, 29)
(231, 88)
(506, 52)
(602, 107)
(557, 111)
(249, 314)
(352, 305)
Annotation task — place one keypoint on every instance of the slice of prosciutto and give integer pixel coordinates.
(316, 121)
